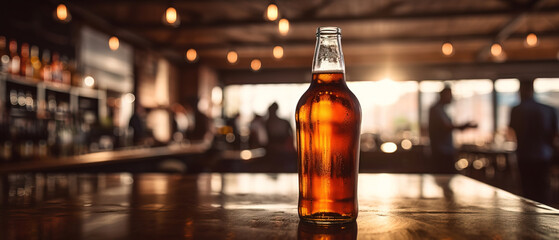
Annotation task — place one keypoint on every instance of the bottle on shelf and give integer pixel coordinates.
(5, 137)
(4, 55)
(13, 98)
(35, 63)
(21, 101)
(29, 102)
(46, 72)
(56, 68)
(14, 58)
(77, 79)
(66, 73)
(25, 69)
(26, 143)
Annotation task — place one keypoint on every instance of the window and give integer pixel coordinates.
(388, 107)
(472, 101)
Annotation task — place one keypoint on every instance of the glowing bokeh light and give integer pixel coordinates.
(114, 43)
(129, 98)
(255, 65)
(283, 26)
(278, 52)
(272, 12)
(62, 12)
(388, 147)
(89, 81)
(531, 40)
(406, 144)
(461, 164)
(171, 15)
(246, 154)
(496, 49)
(479, 164)
(191, 55)
(232, 57)
(447, 49)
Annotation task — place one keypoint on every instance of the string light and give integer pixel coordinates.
(272, 12)
(283, 26)
(278, 52)
(62, 13)
(531, 40)
(114, 43)
(496, 49)
(232, 57)
(255, 65)
(191, 55)
(171, 17)
(447, 49)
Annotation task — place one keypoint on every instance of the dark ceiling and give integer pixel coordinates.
(374, 33)
(403, 31)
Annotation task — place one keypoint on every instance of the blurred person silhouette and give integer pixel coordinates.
(280, 148)
(440, 133)
(535, 127)
(234, 123)
(181, 122)
(201, 129)
(137, 123)
(257, 127)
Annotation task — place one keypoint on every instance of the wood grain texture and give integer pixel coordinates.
(260, 206)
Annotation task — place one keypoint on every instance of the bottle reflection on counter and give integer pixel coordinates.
(310, 231)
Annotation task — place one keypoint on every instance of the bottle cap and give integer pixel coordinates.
(328, 30)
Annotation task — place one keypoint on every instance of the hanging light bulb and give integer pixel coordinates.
(283, 26)
(278, 52)
(447, 49)
(255, 65)
(232, 57)
(171, 17)
(272, 12)
(531, 40)
(191, 55)
(62, 13)
(496, 49)
(114, 43)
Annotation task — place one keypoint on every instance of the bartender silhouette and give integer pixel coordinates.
(535, 127)
(440, 133)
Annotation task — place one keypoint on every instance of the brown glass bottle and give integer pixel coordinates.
(328, 119)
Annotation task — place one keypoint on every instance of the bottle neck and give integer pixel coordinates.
(328, 55)
(328, 78)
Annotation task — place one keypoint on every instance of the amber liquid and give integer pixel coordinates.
(328, 119)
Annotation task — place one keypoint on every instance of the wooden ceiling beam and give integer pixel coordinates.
(102, 24)
(227, 23)
(348, 42)
(510, 27)
(414, 72)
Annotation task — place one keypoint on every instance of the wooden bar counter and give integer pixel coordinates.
(259, 206)
(103, 158)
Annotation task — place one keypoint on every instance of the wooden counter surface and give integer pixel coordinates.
(102, 158)
(260, 206)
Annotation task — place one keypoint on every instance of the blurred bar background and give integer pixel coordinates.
(185, 86)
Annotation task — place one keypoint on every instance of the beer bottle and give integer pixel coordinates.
(328, 119)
